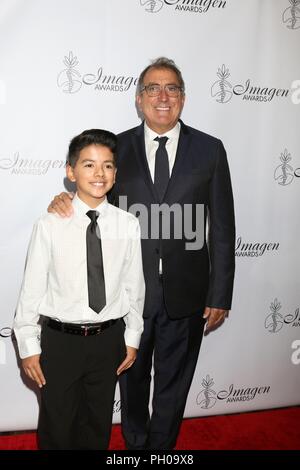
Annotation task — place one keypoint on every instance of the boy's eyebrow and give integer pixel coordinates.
(94, 160)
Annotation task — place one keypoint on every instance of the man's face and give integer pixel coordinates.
(161, 112)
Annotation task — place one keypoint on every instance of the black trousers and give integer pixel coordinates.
(175, 344)
(77, 400)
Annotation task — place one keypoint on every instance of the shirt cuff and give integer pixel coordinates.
(132, 338)
(29, 347)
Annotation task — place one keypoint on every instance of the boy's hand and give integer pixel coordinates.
(62, 205)
(128, 361)
(32, 369)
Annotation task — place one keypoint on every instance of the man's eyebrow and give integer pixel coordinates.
(167, 84)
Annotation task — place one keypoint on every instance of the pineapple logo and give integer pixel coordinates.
(221, 88)
(69, 80)
(283, 173)
(274, 321)
(291, 15)
(205, 397)
(152, 6)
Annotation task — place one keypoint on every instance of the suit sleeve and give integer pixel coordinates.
(221, 234)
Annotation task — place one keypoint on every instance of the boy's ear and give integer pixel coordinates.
(70, 173)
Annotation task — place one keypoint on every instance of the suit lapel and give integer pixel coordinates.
(138, 140)
(181, 154)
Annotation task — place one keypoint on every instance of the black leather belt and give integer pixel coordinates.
(86, 329)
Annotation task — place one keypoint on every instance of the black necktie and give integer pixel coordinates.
(96, 283)
(161, 173)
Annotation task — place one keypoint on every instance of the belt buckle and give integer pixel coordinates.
(86, 329)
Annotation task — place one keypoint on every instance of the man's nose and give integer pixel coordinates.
(163, 95)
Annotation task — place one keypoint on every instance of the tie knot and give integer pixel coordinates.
(93, 215)
(161, 141)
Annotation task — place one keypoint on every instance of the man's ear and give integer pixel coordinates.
(70, 173)
(138, 102)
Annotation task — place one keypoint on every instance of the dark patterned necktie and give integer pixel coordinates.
(161, 172)
(96, 283)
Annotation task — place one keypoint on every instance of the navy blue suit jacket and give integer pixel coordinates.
(192, 279)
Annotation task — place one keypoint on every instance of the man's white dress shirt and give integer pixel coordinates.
(55, 279)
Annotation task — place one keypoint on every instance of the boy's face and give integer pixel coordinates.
(94, 174)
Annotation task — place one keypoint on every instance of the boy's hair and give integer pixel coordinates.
(91, 137)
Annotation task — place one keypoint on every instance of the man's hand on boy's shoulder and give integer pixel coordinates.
(32, 369)
(129, 359)
(62, 205)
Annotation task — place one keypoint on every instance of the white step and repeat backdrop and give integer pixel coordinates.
(70, 65)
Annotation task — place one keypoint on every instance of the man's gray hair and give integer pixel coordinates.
(161, 63)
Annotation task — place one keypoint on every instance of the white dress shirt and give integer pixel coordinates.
(151, 146)
(55, 279)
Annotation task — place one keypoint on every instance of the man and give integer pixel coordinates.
(186, 286)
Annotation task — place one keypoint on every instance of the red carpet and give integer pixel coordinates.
(263, 430)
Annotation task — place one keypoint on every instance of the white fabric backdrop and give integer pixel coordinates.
(70, 65)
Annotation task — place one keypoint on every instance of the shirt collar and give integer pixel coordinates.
(172, 134)
(81, 208)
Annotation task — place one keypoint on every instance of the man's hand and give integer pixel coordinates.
(128, 361)
(32, 369)
(215, 317)
(62, 205)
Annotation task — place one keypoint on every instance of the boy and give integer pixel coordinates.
(82, 276)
